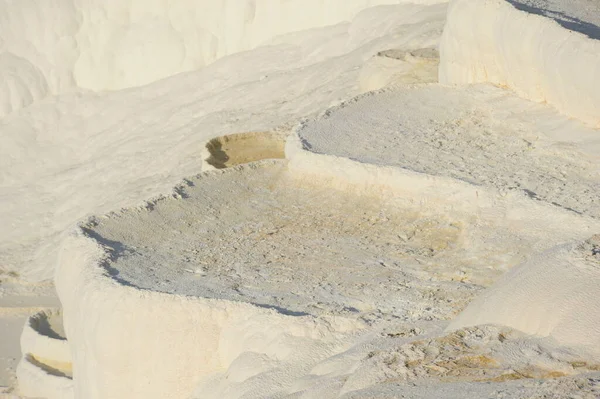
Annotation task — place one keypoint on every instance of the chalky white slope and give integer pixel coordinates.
(241, 285)
(200, 269)
(223, 332)
(79, 153)
(244, 245)
(82, 153)
(101, 45)
(552, 294)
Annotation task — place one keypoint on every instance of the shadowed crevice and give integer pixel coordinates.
(566, 21)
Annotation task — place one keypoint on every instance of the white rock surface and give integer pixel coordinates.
(550, 295)
(69, 150)
(479, 134)
(82, 154)
(134, 343)
(21, 84)
(253, 234)
(101, 45)
(399, 67)
(44, 338)
(215, 336)
(527, 50)
(38, 382)
(45, 369)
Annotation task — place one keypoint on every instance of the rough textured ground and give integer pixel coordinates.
(418, 361)
(478, 354)
(67, 156)
(479, 134)
(253, 234)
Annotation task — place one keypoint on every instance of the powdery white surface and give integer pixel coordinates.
(102, 45)
(582, 387)
(494, 41)
(553, 294)
(38, 382)
(479, 134)
(70, 156)
(399, 67)
(253, 234)
(73, 155)
(103, 284)
(161, 233)
(417, 361)
(21, 83)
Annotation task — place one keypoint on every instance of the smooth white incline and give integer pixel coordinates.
(553, 294)
(21, 83)
(101, 45)
(523, 44)
(78, 154)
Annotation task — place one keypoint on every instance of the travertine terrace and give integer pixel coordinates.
(300, 199)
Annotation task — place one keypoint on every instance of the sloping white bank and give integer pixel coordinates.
(554, 294)
(79, 154)
(493, 41)
(21, 83)
(102, 45)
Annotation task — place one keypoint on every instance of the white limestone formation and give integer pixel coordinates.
(127, 274)
(550, 295)
(345, 246)
(545, 51)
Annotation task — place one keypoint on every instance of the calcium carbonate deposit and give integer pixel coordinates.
(299, 199)
(543, 50)
(478, 134)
